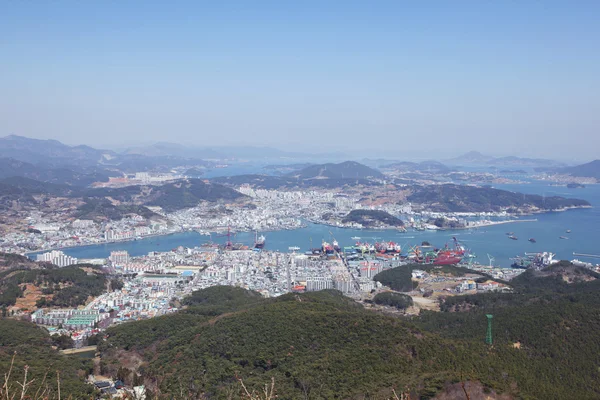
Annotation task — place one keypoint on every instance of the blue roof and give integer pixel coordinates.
(187, 273)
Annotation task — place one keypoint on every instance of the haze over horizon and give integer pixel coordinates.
(346, 77)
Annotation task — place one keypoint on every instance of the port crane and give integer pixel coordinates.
(228, 235)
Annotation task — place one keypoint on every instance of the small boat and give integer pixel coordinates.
(355, 238)
(532, 240)
(510, 233)
(563, 237)
(513, 237)
(568, 231)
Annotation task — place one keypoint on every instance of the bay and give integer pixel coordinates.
(583, 223)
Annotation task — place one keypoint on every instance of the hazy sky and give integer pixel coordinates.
(425, 77)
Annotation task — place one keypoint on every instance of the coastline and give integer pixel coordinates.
(483, 225)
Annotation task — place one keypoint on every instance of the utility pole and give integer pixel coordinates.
(488, 336)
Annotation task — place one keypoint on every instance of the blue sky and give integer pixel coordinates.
(379, 77)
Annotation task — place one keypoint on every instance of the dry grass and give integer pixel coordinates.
(16, 390)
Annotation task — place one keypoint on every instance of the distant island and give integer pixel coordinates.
(372, 219)
(461, 198)
(344, 170)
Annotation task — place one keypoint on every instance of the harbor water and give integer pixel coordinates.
(491, 240)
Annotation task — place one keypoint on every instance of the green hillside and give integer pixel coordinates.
(31, 346)
(323, 345)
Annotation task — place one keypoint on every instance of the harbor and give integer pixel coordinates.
(481, 241)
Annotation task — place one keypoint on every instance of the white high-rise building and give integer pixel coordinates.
(119, 258)
(57, 257)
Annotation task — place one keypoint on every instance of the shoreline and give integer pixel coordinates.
(490, 223)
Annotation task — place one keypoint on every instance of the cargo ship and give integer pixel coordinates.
(327, 248)
(259, 241)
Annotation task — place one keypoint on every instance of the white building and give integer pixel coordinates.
(119, 257)
(82, 223)
(57, 257)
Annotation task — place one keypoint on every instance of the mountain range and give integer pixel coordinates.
(589, 170)
(476, 158)
(434, 167)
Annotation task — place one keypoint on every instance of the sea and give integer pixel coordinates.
(489, 244)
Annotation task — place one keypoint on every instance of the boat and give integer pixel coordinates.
(513, 237)
(510, 233)
(568, 231)
(259, 241)
(532, 240)
(563, 237)
(327, 248)
(336, 246)
(444, 258)
(355, 238)
(293, 248)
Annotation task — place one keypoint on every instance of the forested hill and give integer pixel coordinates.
(31, 346)
(372, 218)
(552, 320)
(311, 343)
(61, 287)
(461, 198)
(347, 169)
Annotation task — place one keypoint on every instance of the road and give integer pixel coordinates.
(80, 350)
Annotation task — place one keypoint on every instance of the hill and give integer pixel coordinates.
(433, 167)
(63, 287)
(461, 198)
(32, 346)
(32, 150)
(549, 321)
(289, 182)
(82, 176)
(170, 196)
(372, 218)
(476, 158)
(588, 170)
(311, 343)
(16, 261)
(347, 169)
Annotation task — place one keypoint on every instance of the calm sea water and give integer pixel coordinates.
(583, 223)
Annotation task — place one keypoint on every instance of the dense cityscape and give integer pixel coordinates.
(299, 201)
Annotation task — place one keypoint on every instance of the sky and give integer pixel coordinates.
(367, 78)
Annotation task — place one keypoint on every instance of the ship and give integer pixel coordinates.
(446, 258)
(336, 246)
(513, 237)
(259, 241)
(327, 248)
(293, 248)
(563, 237)
(532, 240)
